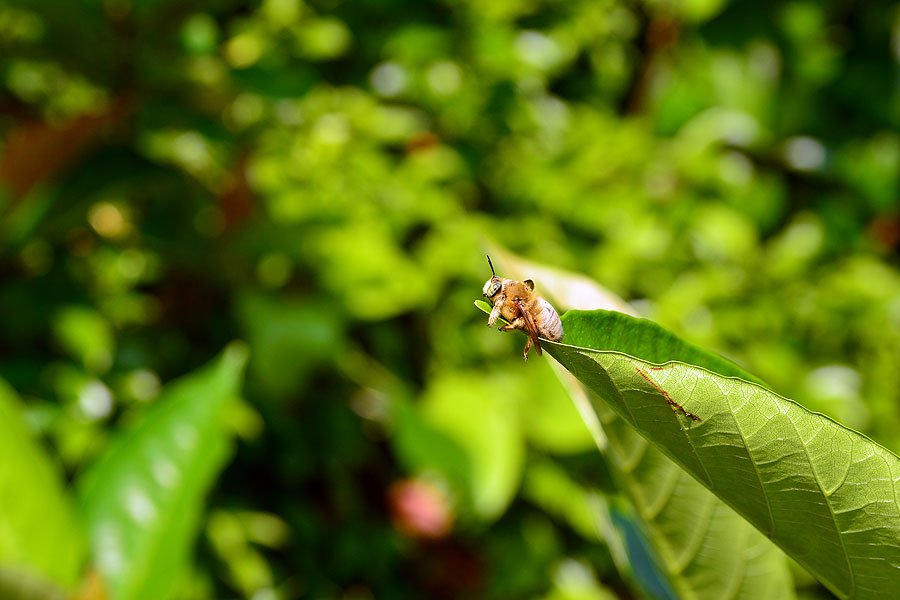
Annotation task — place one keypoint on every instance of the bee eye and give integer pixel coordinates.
(491, 287)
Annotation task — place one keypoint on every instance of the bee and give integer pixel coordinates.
(517, 303)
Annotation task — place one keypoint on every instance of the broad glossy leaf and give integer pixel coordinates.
(143, 499)
(699, 545)
(703, 548)
(825, 494)
(39, 535)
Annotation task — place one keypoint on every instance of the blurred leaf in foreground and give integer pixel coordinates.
(143, 499)
(39, 536)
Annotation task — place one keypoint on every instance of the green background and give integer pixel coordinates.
(322, 180)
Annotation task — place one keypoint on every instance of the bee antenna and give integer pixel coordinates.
(491, 265)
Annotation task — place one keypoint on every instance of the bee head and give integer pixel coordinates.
(492, 286)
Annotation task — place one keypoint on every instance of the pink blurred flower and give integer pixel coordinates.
(419, 509)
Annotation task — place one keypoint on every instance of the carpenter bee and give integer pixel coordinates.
(517, 303)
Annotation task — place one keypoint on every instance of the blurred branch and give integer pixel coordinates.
(661, 32)
(237, 200)
(37, 150)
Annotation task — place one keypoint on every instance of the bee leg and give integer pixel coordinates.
(495, 312)
(519, 323)
(527, 348)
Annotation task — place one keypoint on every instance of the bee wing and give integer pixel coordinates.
(530, 325)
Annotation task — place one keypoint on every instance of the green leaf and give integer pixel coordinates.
(550, 487)
(643, 338)
(289, 338)
(824, 493)
(19, 584)
(143, 499)
(496, 448)
(704, 548)
(39, 536)
(86, 335)
(550, 420)
(422, 447)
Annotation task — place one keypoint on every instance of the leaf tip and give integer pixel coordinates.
(235, 355)
(482, 306)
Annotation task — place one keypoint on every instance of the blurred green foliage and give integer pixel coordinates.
(320, 179)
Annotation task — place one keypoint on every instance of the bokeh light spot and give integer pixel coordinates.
(95, 400)
(388, 79)
(273, 270)
(109, 220)
(804, 153)
(444, 77)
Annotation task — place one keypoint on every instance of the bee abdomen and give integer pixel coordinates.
(550, 324)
